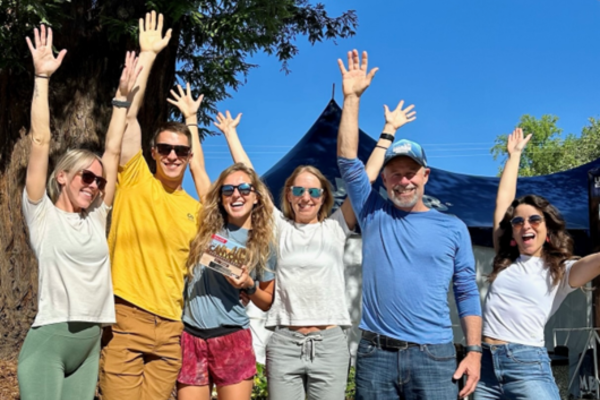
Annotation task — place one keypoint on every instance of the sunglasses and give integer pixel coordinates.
(243, 188)
(165, 149)
(298, 191)
(88, 177)
(534, 220)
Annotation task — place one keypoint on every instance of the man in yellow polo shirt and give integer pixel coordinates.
(153, 222)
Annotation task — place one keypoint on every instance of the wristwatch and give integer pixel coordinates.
(476, 349)
(252, 289)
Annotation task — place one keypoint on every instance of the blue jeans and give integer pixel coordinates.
(416, 373)
(515, 372)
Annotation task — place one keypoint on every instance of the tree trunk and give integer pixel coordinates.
(80, 95)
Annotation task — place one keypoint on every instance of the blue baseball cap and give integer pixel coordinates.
(406, 148)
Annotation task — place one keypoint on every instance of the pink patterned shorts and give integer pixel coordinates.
(224, 360)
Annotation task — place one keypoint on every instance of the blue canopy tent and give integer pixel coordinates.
(471, 198)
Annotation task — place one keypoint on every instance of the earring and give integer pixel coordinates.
(513, 243)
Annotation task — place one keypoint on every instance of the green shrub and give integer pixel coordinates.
(260, 392)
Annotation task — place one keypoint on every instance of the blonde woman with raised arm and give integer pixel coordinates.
(67, 230)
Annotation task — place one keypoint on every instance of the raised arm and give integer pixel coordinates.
(507, 188)
(116, 128)
(189, 108)
(45, 64)
(355, 80)
(393, 121)
(151, 43)
(228, 126)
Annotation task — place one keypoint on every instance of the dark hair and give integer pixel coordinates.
(556, 250)
(176, 127)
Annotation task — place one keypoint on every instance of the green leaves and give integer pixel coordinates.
(548, 151)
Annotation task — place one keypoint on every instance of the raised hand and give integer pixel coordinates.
(185, 102)
(399, 116)
(515, 142)
(151, 39)
(226, 123)
(44, 62)
(355, 79)
(129, 75)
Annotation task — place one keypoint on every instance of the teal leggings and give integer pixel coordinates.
(60, 362)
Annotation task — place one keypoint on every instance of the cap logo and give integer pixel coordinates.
(403, 148)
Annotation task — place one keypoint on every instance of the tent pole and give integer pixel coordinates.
(594, 210)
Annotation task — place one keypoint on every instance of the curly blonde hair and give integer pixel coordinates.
(212, 218)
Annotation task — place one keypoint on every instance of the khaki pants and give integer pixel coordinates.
(142, 358)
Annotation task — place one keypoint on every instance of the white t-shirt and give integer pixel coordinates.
(522, 299)
(309, 284)
(74, 281)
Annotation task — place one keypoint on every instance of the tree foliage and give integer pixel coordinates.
(548, 150)
(211, 47)
(214, 39)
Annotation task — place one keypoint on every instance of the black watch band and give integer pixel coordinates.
(476, 349)
(120, 104)
(252, 289)
(386, 136)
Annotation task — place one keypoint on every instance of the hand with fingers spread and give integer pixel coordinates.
(151, 39)
(355, 79)
(397, 118)
(226, 123)
(515, 142)
(128, 76)
(44, 62)
(243, 282)
(185, 102)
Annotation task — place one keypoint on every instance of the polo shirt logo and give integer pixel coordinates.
(190, 217)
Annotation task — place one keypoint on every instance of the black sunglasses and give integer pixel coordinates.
(166, 149)
(534, 220)
(313, 192)
(88, 177)
(243, 188)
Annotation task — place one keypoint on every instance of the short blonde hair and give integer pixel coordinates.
(328, 199)
(70, 162)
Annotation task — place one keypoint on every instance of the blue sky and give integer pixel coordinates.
(471, 68)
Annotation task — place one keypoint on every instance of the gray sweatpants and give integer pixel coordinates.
(313, 366)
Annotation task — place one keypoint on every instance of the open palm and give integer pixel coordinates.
(516, 142)
(44, 62)
(185, 102)
(226, 123)
(151, 38)
(355, 79)
(399, 116)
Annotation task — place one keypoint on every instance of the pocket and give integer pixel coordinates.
(526, 355)
(124, 318)
(440, 352)
(365, 348)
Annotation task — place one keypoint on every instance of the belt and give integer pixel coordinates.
(387, 343)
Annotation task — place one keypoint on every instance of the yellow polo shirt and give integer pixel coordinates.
(149, 240)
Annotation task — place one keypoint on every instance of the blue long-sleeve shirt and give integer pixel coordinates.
(409, 259)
